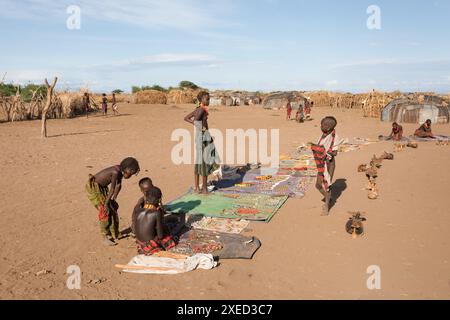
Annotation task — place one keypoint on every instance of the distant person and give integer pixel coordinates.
(104, 104)
(86, 103)
(288, 111)
(102, 190)
(308, 106)
(152, 235)
(300, 115)
(424, 131)
(324, 153)
(206, 161)
(114, 105)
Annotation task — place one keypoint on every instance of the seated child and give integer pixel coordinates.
(300, 115)
(397, 132)
(104, 198)
(425, 130)
(152, 235)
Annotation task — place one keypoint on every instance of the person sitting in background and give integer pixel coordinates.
(396, 133)
(424, 130)
(300, 115)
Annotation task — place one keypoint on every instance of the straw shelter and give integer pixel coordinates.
(182, 96)
(406, 110)
(150, 97)
(280, 100)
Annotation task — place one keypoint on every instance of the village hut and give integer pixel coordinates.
(182, 96)
(216, 101)
(150, 97)
(406, 110)
(69, 105)
(280, 100)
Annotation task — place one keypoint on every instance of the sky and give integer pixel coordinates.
(264, 45)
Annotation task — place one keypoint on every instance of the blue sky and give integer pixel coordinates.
(229, 44)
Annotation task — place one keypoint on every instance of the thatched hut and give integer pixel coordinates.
(406, 110)
(320, 98)
(71, 104)
(280, 100)
(182, 96)
(376, 101)
(150, 97)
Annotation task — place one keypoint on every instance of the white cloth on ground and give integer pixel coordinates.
(170, 266)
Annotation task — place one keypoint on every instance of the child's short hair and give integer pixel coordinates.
(201, 94)
(330, 122)
(130, 163)
(145, 180)
(153, 196)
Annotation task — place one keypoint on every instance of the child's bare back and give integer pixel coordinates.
(109, 175)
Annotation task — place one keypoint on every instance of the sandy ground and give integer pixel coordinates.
(48, 223)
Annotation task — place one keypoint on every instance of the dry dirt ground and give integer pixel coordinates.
(48, 223)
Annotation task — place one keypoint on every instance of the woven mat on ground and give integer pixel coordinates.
(255, 181)
(301, 160)
(438, 138)
(255, 207)
(222, 245)
(387, 138)
(354, 144)
(217, 224)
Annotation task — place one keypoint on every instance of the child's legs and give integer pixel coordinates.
(114, 225)
(319, 186)
(331, 167)
(105, 227)
(205, 182)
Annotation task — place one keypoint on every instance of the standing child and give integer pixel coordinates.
(86, 103)
(206, 161)
(300, 116)
(114, 105)
(289, 111)
(308, 107)
(324, 153)
(104, 104)
(104, 198)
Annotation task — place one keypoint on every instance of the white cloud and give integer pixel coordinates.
(331, 83)
(390, 61)
(158, 60)
(373, 62)
(192, 15)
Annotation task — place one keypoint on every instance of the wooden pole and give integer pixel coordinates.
(47, 106)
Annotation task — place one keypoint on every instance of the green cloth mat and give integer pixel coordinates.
(221, 205)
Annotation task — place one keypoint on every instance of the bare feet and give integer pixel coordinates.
(204, 192)
(109, 242)
(325, 210)
(326, 206)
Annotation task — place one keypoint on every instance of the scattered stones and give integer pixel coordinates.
(43, 272)
(97, 281)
